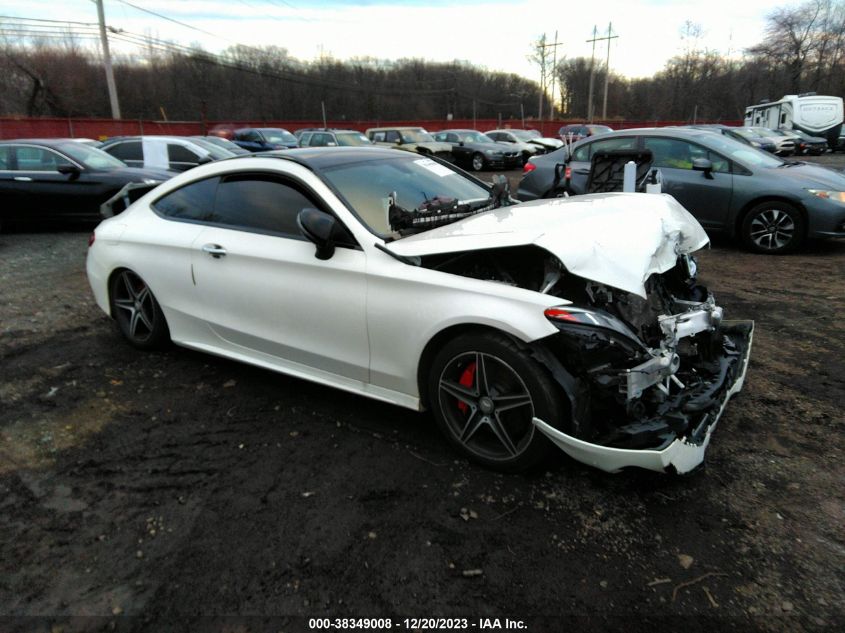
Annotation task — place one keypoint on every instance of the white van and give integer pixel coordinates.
(817, 115)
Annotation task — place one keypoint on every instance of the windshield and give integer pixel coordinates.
(367, 185)
(91, 157)
(745, 133)
(416, 136)
(220, 142)
(351, 139)
(742, 153)
(474, 137)
(525, 135)
(215, 151)
(278, 136)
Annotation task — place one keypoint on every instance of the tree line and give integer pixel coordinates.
(803, 50)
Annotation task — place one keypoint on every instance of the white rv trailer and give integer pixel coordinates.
(817, 115)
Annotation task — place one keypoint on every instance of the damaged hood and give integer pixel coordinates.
(618, 239)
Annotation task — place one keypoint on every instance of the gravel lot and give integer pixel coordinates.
(176, 485)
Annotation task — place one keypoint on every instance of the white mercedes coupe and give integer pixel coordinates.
(575, 323)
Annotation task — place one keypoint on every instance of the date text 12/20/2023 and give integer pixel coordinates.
(416, 624)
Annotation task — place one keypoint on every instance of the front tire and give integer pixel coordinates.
(477, 162)
(139, 316)
(773, 228)
(485, 392)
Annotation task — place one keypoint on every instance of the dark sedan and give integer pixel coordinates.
(743, 135)
(263, 139)
(225, 143)
(43, 180)
(771, 204)
(478, 151)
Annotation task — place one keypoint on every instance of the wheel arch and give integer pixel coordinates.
(441, 338)
(736, 225)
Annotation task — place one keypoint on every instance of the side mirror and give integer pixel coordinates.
(461, 143)
(320, 228)
(69, 170)
(398, 141)
(703, 164)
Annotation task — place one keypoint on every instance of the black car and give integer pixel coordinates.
(46, 180)
(263, 139)
(479, 151)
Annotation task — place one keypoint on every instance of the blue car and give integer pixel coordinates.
(264, 139)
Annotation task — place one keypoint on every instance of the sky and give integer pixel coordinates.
(493, 34)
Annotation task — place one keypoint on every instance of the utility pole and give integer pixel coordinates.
(104, 40)
(592, 76)
(607, 70)
(595, 39)
(553, 46)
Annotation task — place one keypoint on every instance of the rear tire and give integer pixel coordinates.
(139, 316)
(484, 393)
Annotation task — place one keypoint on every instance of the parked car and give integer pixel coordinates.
(478, 151)
(564, 322)
(527, 150)
(333, 138)
(61, 180)
(574, 132)
(771, 205)
(263, 139)
(411, 139)
(219, 141)
(533, 137)
(783, 146)
(162, 152)
(804, 143)
(743, 135)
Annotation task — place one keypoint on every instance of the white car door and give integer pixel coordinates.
(263, 292)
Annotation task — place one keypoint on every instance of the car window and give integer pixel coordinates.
(304, 139)
(378, 137)
(323, 140)
(180, 154)
(352, 139)
(678, 154)
(391, 136)
(440, 136)
(584, 153)
(39, 159)
(259, 202)
(194, 201)
(128, 150)
(5, 153)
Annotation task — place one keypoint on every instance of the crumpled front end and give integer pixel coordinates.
(648, 379)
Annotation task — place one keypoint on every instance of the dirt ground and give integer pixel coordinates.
(151, 491)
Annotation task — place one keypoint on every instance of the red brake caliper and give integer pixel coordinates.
(467, 379)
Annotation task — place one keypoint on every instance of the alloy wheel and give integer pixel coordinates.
(136, 307)
(772, 229)
(486, 405)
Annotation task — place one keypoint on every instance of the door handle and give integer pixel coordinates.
(23, 178)
(581, 172)
(215, 250)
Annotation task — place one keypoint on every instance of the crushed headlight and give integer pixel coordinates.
(838, 196)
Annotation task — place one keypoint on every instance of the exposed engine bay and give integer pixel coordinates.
(640, 373)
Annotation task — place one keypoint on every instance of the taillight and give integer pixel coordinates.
(528, 167)
(568, 173)
(559, 314)
(91, 239)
